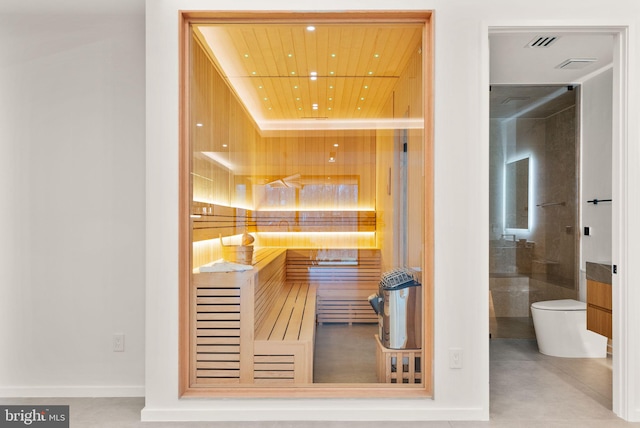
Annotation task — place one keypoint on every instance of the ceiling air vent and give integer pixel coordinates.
(576, 63)
(541, 41)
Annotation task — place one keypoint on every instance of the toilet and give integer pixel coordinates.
(561, 330)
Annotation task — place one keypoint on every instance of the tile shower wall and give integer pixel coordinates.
(545, 267)
(560, 222)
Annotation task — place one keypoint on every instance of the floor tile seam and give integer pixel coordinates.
(583, 385)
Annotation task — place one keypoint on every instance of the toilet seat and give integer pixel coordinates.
(560, 305)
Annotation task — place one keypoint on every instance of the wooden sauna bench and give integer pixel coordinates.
(256, 310)
(345, 279)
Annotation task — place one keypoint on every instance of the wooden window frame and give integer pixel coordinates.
(423, 390)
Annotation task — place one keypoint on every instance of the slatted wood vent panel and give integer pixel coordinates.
(274, 368)
(218, 334)
(398, 365)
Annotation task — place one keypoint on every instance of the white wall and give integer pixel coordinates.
(461, 206)
(596, 165)
(72, 215)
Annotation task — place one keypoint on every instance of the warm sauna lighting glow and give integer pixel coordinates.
(333, 55)
(316, 239)
(290, 55)
(199, 125)
(376, 55)
(336, 145)
(311, 28)
(335, 124)
(317, 208)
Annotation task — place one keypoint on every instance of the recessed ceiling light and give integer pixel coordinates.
(265, 98)
(295, 86)
(290, 55)
(376, 55)
(199, 124)
(332, 73)
(311, 28)
(336, 145)
(298, 99)
(361, 98)
(246, 55)
(314, 75)
(329, 108)
(225, 145)
(359, 108)
(366, 86)
(330, 86)
(330, 99)
(293, 72)
(333, 55)
(260, 87)
(253, 72)
(299, 108)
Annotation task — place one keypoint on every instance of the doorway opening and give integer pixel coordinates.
(518, 59)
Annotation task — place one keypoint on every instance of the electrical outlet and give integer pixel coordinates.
(455, 358)
(118, 342)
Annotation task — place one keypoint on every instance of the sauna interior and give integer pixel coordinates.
(306, 140)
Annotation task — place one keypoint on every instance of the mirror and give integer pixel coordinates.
(516, 198)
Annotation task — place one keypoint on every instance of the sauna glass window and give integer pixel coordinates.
(305, 177)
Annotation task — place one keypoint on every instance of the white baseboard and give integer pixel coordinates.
(310, 414)
(71, 391)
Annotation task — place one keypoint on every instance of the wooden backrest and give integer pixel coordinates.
(333, 265)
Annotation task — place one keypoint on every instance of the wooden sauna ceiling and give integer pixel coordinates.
(285, 73)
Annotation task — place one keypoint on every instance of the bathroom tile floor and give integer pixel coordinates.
(528, 390)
